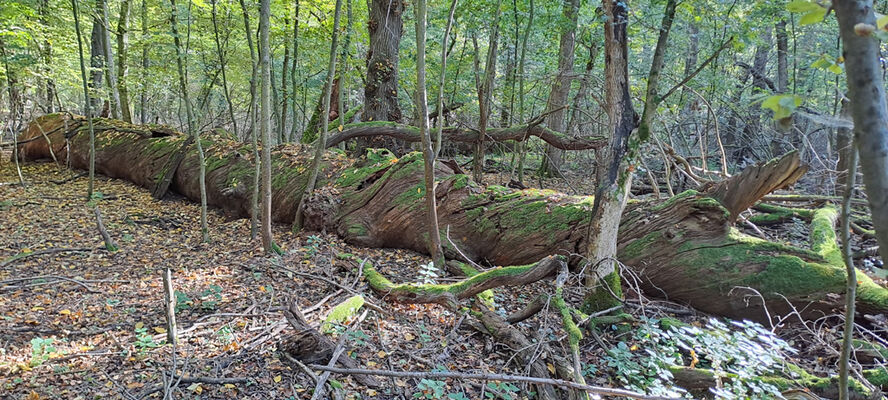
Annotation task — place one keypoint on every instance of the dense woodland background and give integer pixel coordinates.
(684, 275)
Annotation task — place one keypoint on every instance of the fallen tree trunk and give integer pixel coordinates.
(684, 248)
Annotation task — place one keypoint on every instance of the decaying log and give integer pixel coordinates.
(683, 248)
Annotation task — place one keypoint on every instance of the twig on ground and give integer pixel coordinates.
(20, 257)
(340, 347)
(604, 391)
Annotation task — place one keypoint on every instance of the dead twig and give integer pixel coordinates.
(19, 257)
(603, 391)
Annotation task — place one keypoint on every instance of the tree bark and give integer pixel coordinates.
(192, 129)
(868, 108)
(683, 248)
(110, 70)
(86, 104)
(265, 124)
(254, 104)
(223, 67)
(551, 164)
(428, 152)
(385, 26)
(96, 63)
(143, 94)
(485, 88)
(122, 69)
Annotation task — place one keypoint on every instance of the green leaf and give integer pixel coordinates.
(813, 17)
(802, 6)
(882, 21)
(835, 68)
(782, 105)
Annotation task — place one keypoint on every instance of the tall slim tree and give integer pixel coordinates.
(223, 67)
(285, 96)
(443, 79)
(189, 110)
(86, 103)
(321, 143)
(428, 153)
(96, 64)
(49, 86)
(866, 93)
(110, 71)
(254, 122)
(122, 68)
(551, 164)
(293, 70)
(485, 88)
(602, 276)
(143, 93)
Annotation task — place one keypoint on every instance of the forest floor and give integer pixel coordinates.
(88, 323)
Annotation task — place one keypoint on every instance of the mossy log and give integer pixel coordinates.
(684, 248)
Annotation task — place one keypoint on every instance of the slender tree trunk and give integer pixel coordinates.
(602, 276)
(784, 126)
(844, 146)
(192, 129)
(96, 63)
(49, 88)
(485, 88)
(344, 65)
(321, 143)
(222, 66)
(652, 99)
(86, 103)
(521, 110)
(690, 65)
(143, 96)
(443, 79)
(110, 70)
(551, 164)
(428, 153)
(381, 89)
(294, 129)
(122, 69)
(851, 280)
(265, 125)
(285, 84)
(866, 93)
(254, 81)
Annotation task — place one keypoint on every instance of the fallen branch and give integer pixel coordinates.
(604, 391)
(517, 133)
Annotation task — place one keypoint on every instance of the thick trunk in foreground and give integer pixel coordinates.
(684, 248)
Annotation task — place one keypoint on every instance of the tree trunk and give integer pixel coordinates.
(485, 88)
(143, 95)
(866, 93)
(254, 99)
(321, 143)
(614, 179)
(523, 149)
(223, 67)
(285, 94)
(91, 163)
(428, 153)
(110, 70)
(122, 69)
(96, 63)
(683, 248)
(381, 89)
(49, 88)
(551, 165)
(265, 124)
(293, 68)
(192, 128)
(651, 98)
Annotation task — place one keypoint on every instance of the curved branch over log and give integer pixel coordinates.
(517, 133)
(684, 248)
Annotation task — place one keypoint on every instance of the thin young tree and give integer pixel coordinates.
(866, 94)
(522, 148)
(443, 78)
(321, 143)
(428, 154)
(192, 129)
(223, 67)
(485, 88)
(285, 95)
(86, 104)
(110, 71)
(143, 95)
(254, 135)
(265, 125)
(294, 63)
(122, 70)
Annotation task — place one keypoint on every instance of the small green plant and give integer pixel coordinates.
(41, 350)
(225, 335)
(313, 245)
(504, 390)
(214, 293)
(430, 389)
(144, 341)
(429, 273)
(359, 338)
(183, 302)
